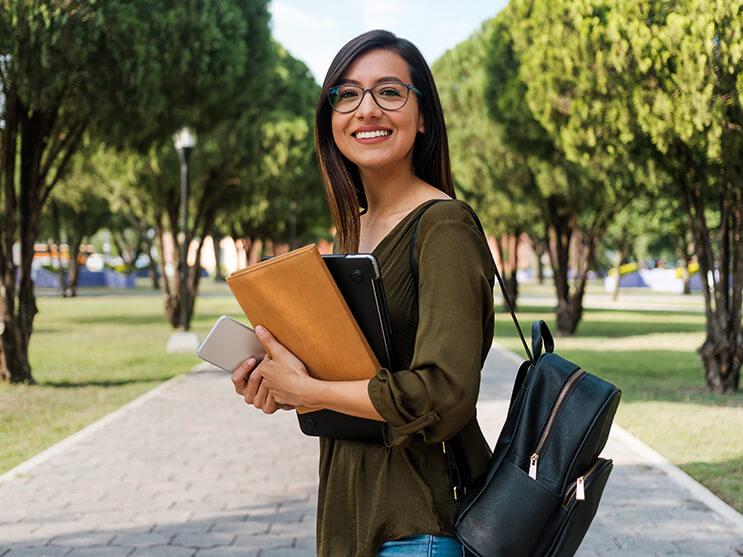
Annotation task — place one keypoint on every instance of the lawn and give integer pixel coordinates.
(651, 356)
(90, 355)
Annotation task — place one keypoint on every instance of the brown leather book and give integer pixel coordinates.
(295, 297)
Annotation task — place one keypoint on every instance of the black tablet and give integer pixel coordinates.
(360, 282)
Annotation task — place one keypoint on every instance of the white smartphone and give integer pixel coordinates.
(229, 344)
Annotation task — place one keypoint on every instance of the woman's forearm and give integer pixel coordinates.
(347, 397)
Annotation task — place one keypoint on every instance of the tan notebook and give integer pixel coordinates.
(295, 297)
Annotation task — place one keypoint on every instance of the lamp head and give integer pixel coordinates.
(184, 139)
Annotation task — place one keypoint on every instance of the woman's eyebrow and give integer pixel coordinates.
(380, 80)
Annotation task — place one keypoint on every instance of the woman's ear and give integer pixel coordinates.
(421, 123)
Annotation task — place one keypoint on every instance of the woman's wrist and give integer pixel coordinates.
(346, 397)
(314, 393)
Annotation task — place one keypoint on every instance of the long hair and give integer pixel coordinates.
(341, 178)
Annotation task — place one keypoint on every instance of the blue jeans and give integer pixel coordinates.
(425, 545)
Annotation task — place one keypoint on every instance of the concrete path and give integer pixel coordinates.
(189, 470)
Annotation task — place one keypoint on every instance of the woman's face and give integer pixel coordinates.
(369, 69)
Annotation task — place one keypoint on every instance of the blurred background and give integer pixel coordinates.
(147, 150)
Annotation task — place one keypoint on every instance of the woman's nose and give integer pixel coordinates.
(368, 107)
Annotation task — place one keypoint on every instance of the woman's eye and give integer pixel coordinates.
(390, 92)
(347, 94)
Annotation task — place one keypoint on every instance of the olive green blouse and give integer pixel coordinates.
(370, 493)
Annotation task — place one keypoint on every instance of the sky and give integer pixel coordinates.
(313, 31)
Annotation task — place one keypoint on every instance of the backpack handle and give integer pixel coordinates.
(541, 336)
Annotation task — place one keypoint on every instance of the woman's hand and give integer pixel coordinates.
(283, 373)
(249, 384)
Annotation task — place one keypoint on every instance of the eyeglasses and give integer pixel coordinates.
(388, 96)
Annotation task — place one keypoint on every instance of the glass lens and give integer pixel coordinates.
(345, 97)
(391, 95)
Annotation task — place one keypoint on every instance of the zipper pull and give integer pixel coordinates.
(580, 493)
(533, 466)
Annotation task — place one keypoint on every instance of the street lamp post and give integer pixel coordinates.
(184, 142)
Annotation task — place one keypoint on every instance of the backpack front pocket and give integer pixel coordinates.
(576, 511)
(519, 506)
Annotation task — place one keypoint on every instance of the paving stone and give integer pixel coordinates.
(38, 551)
(211, 539)
(101, 551)
(263, 542)
(228, 552)
(243, 528)
(141, 539)
(287, 552)
(83, 538)
(164, 551)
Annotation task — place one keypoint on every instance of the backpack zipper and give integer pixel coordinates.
(534, 459)
(578, 488)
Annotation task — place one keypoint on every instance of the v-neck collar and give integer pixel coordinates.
(403, 220)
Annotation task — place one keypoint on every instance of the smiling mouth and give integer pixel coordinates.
(372, 134)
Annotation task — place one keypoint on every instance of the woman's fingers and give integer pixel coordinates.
(248, 382)
(271, 406)
(261, 396)
(252, 386)
(239, 376)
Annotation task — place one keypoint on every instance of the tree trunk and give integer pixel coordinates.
(8, 288)
(568, 315)
(74, 265)
(721, 357)
(558, 248)
(216, 240)
(618, 274)
(569, 309)
(15, 352)
(687, 278)
(61, 271)
(173, 297)
(4, 371)
(255, 251)
(170, 301)
(45, 143)
(152, 270)
(721, 271)
(506, 255)
(540, 264)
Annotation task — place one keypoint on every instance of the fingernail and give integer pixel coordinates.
(260, 330)
(251, 361)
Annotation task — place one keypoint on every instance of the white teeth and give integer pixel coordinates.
(370, 135)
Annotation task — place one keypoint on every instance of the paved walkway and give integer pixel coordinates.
(190, 471)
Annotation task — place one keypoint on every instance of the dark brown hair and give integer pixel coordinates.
(343, 186)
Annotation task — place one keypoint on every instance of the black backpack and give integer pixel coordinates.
(545, 478)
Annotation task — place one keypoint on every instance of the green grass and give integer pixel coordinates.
(90, 355)
(651, 356)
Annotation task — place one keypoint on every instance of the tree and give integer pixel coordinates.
(659, 88)
(565, 192)
(688, 96)
(489, 174)
(125, 71)
(283, 200)
(253, 164)
(77, 209)
(623, 232)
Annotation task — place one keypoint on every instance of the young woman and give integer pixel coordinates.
(383, 152)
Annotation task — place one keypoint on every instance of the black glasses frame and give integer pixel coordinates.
(370, 90)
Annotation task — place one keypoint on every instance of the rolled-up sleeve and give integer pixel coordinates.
(436, 397)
